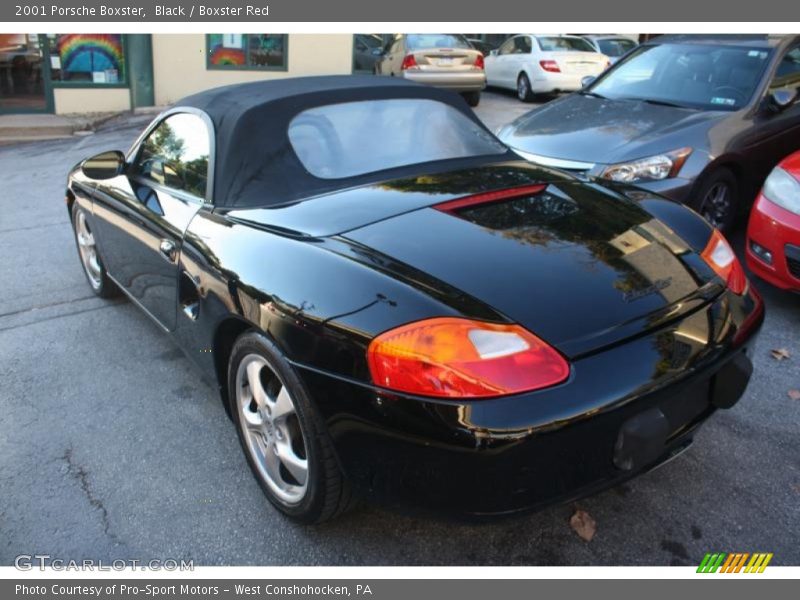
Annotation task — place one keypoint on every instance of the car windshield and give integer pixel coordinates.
(436, 40)
(354, 138)
(564, 44)
(615, 47)
(698, 76)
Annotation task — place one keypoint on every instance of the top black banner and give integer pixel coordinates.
(405, 11)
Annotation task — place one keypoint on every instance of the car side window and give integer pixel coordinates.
(175, 154)
(507, 47)
(522, 45)
(787, 76)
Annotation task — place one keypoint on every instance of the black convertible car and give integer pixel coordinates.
(393, 304)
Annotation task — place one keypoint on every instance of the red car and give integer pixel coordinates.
(773, 234)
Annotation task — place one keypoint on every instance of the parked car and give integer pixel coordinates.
(484, 47)
(543, 64)
(444, 60)
(773, 233)
(367, 49)
(700, 119)
(392, 303)
(612, 46)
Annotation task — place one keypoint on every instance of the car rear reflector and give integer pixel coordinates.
(449, 357)
(720, 256)
(487, 197)
(550, 66)
(409, 62)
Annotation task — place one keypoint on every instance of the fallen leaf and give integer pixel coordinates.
(583, 524)
(780, 353)
(794, 394)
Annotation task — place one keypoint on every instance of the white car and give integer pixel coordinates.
(543, 64)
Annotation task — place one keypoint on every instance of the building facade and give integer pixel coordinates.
(88, 73)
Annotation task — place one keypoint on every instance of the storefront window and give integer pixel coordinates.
(22, 74)
(87, 58)
(255, 51)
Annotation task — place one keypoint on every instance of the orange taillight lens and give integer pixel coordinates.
(451, 357)
(720, 256)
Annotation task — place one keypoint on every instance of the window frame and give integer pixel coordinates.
(134, 153)
(282, 68)
(58, 83)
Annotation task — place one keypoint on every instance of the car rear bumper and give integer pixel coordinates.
(777, 230)
(468, 81)
(623, 411)
(558, 82)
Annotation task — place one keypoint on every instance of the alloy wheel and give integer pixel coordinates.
(274, 439)
(522, 88)
(88, 250)
(716, 205)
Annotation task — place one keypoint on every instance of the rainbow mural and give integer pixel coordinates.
(89, 52)
(221, 56)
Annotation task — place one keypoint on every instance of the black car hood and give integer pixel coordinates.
(595, 130)
(577, 264)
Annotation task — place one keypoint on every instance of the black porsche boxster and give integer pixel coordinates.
(392, 304)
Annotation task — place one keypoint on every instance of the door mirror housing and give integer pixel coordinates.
(587, 81)
(493, 52)
(780, 100)
(104, 165)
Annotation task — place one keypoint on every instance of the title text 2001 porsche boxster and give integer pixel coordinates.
(393, 304)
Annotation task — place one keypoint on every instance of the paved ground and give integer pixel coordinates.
(111, 448)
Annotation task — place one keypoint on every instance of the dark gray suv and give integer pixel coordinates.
(700, 119)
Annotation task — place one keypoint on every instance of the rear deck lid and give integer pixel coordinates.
(578, 265)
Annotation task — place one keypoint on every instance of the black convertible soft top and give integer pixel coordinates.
(255, 164)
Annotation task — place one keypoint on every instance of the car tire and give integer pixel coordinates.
(472, 98)
(717, 198)
(283, 428)
(89, 254)
(524, 92)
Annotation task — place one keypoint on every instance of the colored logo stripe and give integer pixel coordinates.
(734, 562)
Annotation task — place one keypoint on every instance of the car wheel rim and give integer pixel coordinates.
(522, 88)
(271, 429)
(88, 250)
(716, 205)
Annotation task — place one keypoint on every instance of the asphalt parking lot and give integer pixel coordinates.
(112, 448)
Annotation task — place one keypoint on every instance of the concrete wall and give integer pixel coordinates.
(89, 100)
(179, 63)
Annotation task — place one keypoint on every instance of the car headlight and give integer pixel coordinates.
(652, 168)
(783, 189)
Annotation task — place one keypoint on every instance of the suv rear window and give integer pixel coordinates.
(354, 138)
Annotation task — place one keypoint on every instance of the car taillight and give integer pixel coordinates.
(450, 357)
(720, 256)
(549, 65)
(409, 62)
(479, 64)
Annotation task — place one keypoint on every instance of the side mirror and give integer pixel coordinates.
(780, 100)
(588, 80)
(493, 52)
(104, 166)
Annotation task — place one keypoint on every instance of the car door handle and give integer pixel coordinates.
(168, 250)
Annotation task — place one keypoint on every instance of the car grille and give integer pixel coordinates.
(793, 260)
(794, 267)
